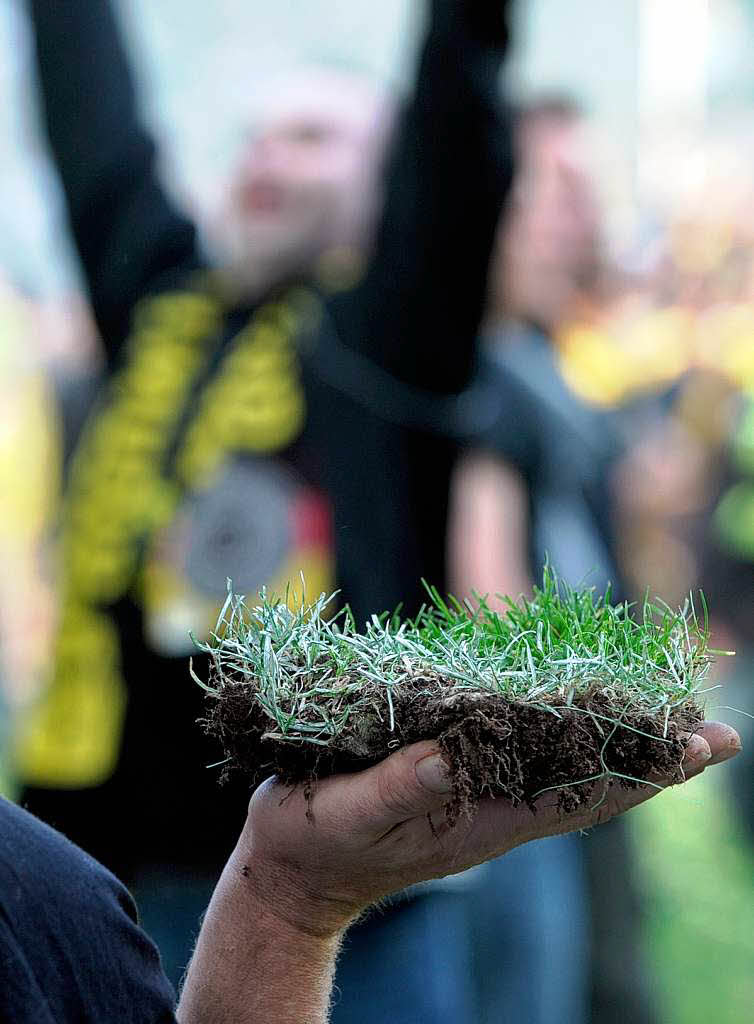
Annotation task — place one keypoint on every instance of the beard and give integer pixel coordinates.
(264, 252)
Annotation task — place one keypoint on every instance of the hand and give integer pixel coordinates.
(302, 871)
(363, 836)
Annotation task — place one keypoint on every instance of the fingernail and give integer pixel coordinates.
(697, 751)
(432, 773)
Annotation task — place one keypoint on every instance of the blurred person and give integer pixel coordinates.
(304, 195)
(551, 481)
(684, 497)
(694, 357)
(536, 489)
(225, 443)
(671, 351)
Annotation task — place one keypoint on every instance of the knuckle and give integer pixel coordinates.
(395, 791)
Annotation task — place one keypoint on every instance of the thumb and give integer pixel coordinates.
(408, 784)
(433, 774)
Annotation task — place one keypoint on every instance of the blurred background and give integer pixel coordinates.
(620, 305)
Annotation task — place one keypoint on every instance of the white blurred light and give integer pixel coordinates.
(673, 56)
(673, 85)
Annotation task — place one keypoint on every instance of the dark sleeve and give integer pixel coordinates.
(127, 232)
(419, 307)
(417, 313)
(22, 1000)
(70, 947)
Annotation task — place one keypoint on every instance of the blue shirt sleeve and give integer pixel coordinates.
(71, 949)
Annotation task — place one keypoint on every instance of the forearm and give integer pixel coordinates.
(423, 295)
(251, 965)
(488, 530)
(126, 231)
(87, 91)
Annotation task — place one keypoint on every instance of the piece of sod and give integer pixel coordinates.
(563, 692)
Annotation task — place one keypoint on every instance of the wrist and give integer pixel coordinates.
(294, 901)
(254, 956)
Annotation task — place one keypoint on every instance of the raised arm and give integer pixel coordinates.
(422, 299)
(417, 312)
(127, 232)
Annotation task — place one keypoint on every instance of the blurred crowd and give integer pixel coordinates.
(398, 348)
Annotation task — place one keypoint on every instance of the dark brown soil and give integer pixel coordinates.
(494, 746)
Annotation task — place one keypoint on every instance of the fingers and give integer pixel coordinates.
(432, 772)
(409, 784)
(696, 757)
(414, 782)
(497, 826)
(723, 741)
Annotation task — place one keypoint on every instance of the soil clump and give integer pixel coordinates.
(494, 745)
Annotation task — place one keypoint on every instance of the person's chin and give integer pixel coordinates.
(261, 267)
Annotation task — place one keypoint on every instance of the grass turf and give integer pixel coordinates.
(306, 694)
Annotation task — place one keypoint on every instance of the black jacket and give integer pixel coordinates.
(176, 351)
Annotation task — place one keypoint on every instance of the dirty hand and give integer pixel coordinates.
(374, 832)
